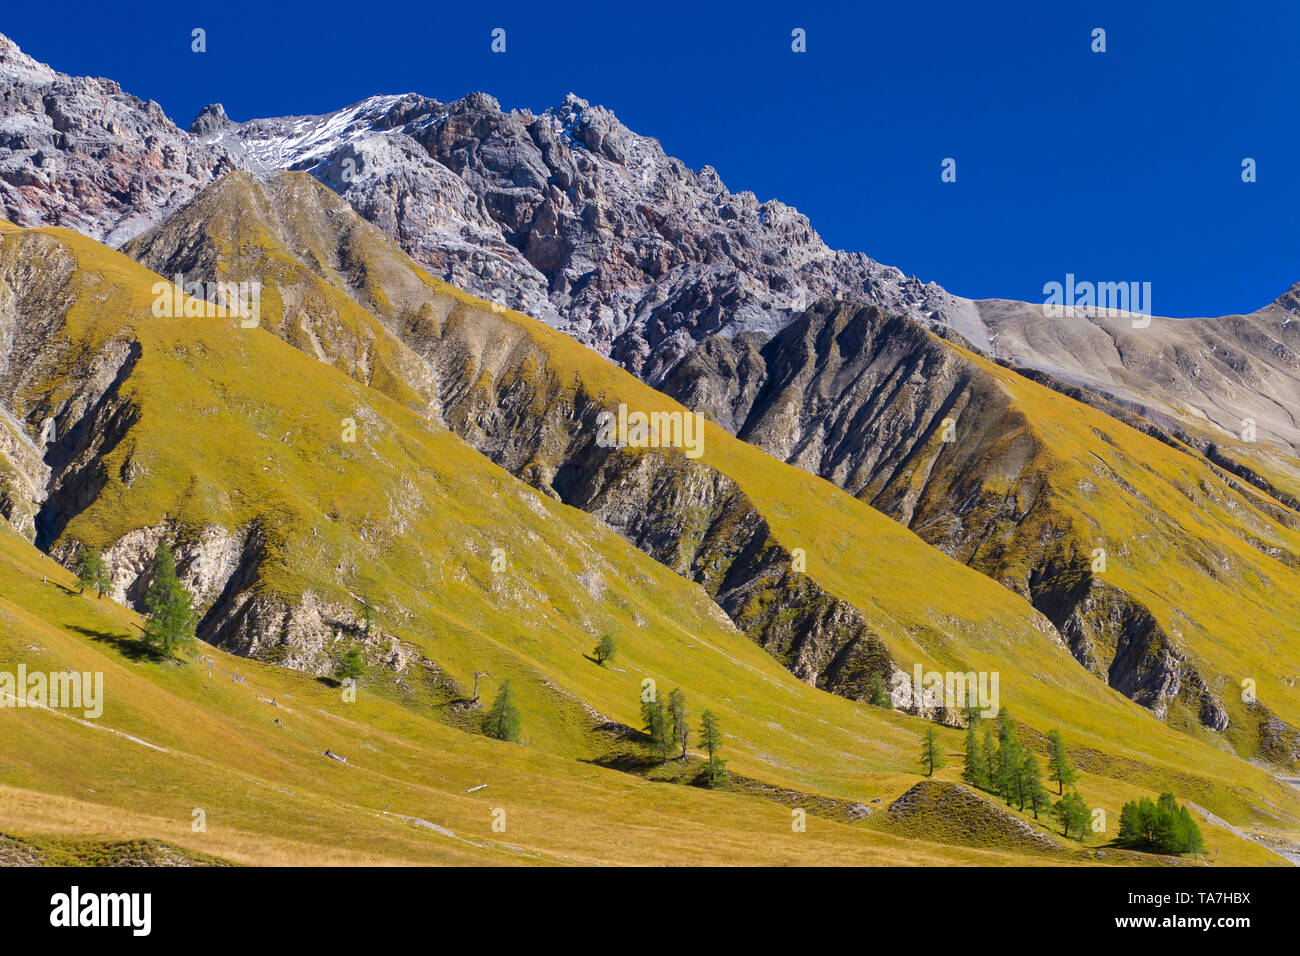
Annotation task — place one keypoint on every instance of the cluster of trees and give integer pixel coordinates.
(1000, 764)
(1160, 827)
(670, 733)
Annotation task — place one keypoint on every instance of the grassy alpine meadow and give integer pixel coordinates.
(354, 521)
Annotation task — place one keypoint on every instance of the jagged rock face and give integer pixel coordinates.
(308, 635)
(861, 398)
(1113, 635)
(50, 434)
(205, 562)
(79, 152)
(571, 217)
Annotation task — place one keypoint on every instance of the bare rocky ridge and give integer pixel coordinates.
(81, 153)
(1208, 375)
(569, 216)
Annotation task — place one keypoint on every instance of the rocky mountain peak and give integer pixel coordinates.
(211, 118)
(567, 215)
(1288, 300)
(576, 219)
(81, 153)
(17, 66)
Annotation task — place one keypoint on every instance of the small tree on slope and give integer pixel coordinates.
(169, 607)
(711, 737)
(92, 572)
(932, 757)
(975, 770)
(681, 731)
(502, 720)
(1059, 769)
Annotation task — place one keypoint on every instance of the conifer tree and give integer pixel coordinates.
(974, 770)
(1072, 813)
(1059, 767)
(660, 730)
(989, 757)
(879, 698)
(1006, 765)
(681, 731)
(169, 608)
(502, 720)
(1034, 791)
(711, 738)
(92, 572)
(351, 665)
(1006, 727)
(1190, 838)
(932, 757)
(605, 649)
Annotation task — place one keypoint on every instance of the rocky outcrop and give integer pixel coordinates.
(1109, 632)
(952, 813)
(309, 635)
(23, 476)
(79, 152)
(221, 570)
(876, 404)
(864, 398)
(1279, 743)
(569, 216)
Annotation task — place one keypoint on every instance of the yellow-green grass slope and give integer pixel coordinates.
(1217, 564)
(174, 739)
(930, 609)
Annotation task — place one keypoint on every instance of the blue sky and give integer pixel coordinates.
(1115, 166)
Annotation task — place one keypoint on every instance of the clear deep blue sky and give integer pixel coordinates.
(1117, 166)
